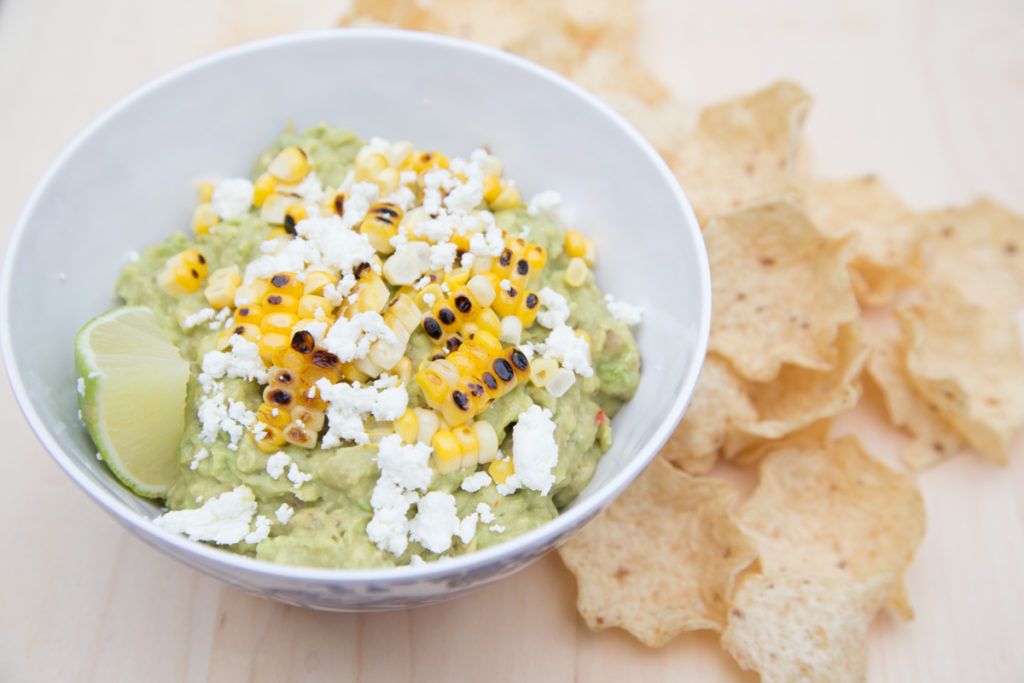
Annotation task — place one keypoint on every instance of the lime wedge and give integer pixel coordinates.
(132, 384)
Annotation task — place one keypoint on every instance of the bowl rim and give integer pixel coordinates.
(204, 556)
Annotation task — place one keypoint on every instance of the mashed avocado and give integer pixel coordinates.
(313, 505)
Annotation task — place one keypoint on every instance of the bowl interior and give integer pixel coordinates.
(129, 180)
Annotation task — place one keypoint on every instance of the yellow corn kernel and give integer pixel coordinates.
(194, 259)
(447, 454)
(205, 190)
(279, 397)
(380, 225)
(178, 279)
(287, 284)
(350, 373)
(270, 342)
(403, 370)
(575, 244)
(275, 207)
(469, 445)
(369, 166)
(316, 280)
(487, 441)
(287, 358)
(427, 424)
(292, 215)
(590, 255)
(488, 321)
(275, 302)
(273, 416)
(311, 304)
(481, 289)
(527, 311)
(262, 188)
(431, 291)
(204, 218)
(220, 289)
(387, 181)
(245, 331)
(271, 439)
(457, 278)
(280, 321)
(500, 470)
(407, 426)
(576, 273)
(511, 330)
(290, 165)
(508, 198)
(582, 334)
(508, 301)
(492, 188)
(300, 435)
(427, 161)
(542, 370)
(248, 314)
(537, 257)
(313, 419)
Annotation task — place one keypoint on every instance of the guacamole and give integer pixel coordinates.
(321, 302)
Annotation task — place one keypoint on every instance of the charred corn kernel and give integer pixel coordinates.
(369, 166)
(298, 434)
(204, 218)
(248, 315)
(542, 370)
(537, 257)
(220, 288)
(447, 454)
(380, 225)
(268, 439)
(500, 470)
(262, 188)
(487, 441)
(479, 399)
(312, 419)
(292, 215)
(403, 370)
(427, 424)
(575, 244)
(279, 397)
(407, 426)
(249, 333)
(492, 188)
(469, 445)
(275, 302)
(427, 161)
(519, 362)
(508, 300)
(205, 190)
(183, 272)
(287, 284)
(508, 198)
(576, 273)
(511, 330)
(290, 165)
(283, 378)
(316, 280)
(274, 208)
(313, 306)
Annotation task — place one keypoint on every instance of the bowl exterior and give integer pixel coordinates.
(210, 119)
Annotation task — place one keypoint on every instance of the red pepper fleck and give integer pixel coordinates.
(600, 417)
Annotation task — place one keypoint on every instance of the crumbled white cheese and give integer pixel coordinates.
(241, 360)
(350, 338)
(442, 256)
(203, 315)
(260, 530)
(620, 310)
(284, 513)
(405, 464)
(429, 299)
(422, 282)
(402, 197)
(218, 413)
(277, 463)
(534, 452)
(568, 348)
(297, 477)
(497, 528)
(389, 528)
(310, 189)
(224, 520)
(232, 198)
(475, 482)
(485, 513)
(465, 197)
(436, 521)
(340, 246)
(467, 527)
(545, 203)
(357, 203)
(198, 457)
(505, 284)
(349, 404)
(416, 561)
(554, 309)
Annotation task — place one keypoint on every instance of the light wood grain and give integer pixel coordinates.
(928, 94)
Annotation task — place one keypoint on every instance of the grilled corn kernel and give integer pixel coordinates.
(492, 188)
(220, 289)
(403, 370)
(205, 190)
(407, 426)
(262, 188)
(273, 416)
(270, 439)
(298, 434)
(427, 423)
(380, 225)
(248, 294)
(292, 215)
(287, 284)
(313, 419)
(316, 280)
(590, 256)
(575, 244)
(426, 161)
(313, 306)
(270, 342)
(487, 441)
(500, 470)
(204, 218)
(447, 454)
(576, 273)
(469, 445)
(248, 314)
(276, 302)
(511, 330)
(481, 289)
(369, 166)
(290, 165)
(387, 181)
(508, 198)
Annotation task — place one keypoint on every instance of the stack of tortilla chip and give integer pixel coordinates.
(815, 285)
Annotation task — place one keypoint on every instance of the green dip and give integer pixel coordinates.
(332, 509)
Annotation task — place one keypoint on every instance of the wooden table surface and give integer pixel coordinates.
(930, 94)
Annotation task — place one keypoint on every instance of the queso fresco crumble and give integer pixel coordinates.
(394, 358)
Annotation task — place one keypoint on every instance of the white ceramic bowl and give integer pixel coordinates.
(128, 180)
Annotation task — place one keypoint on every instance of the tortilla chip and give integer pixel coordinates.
(662, 559)
(933, 438)
(793, 627)
(886, 254)
(779, 287)
(744, 149)
(800, 397)
(979, 250)
(835, 511)
(966, 361)
(718, 402)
